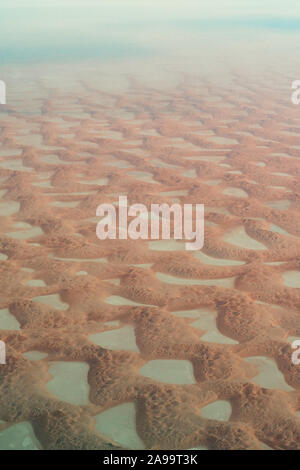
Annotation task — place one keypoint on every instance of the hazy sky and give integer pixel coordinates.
(174, 7)
(37, 29)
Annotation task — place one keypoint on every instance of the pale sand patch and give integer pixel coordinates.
(35, 355)
(69, 382)
(166, 245)
(239, 237)
(19, 436)
(8, 321)
(121, 339)
(206, 259)
(119, 425)
(291, 279)
(269, 376)
(236, 192)
(53, 300)
(220, 410)
(207, 322)
(36, 283)
(169, 371)
(283, 204)
(9, 208)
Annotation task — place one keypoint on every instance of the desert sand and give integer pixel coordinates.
(123, 344)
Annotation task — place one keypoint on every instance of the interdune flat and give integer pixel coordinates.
(69, 382)
(119, 424)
